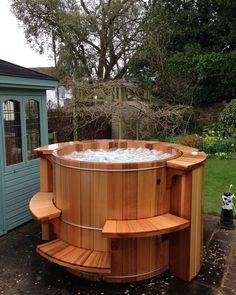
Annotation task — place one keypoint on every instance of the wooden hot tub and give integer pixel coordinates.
(121, 222)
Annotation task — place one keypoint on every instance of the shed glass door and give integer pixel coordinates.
(20, 133)
(21, 129)
(32, 118)
(12, 130)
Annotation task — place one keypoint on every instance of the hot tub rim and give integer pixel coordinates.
(109, 166)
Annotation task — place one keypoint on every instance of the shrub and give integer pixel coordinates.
(213, 142)
(227, 119)
(215, 73)
(213, 130)
(192, 140)
(212, 145)
(223, 156)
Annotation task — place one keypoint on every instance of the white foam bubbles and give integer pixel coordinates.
(118, 155)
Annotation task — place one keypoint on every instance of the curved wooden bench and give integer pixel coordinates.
(42, 208)
(145, 227)
(66, 255)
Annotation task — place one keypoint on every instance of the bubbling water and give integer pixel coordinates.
(118, 155)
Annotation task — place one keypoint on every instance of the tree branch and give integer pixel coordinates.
(85, 7)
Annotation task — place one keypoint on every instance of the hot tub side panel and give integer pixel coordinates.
(83, 208)
(138, 259)
(137, 194)
(88, 198)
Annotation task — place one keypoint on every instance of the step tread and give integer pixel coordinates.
(157, 225)
(77, 258)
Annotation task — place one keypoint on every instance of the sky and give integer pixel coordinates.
(13, 46)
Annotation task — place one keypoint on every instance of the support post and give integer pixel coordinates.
(186, 245)
(46, 185)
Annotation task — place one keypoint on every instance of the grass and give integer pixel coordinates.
(219, 174)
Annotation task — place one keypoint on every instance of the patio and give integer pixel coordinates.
(25, 272)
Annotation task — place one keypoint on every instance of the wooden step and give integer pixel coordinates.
(42, 208)
(69, 256)
(145, 227)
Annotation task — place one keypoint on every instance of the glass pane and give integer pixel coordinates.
(12, 127)
(32, 127)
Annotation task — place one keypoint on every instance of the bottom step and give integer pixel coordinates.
(66, 255)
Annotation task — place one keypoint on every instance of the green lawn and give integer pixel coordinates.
(219, 174)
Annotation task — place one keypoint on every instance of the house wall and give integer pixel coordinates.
(20, 181)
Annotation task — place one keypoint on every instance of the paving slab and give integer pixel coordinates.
(23, 271)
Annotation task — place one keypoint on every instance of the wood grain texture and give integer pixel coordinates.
(46, 181)
(196, 234)
(187, 161)
(144, 227)
(88, 198)
(186, 246)
(129, 264)
(66, 255)
(180, 241)
(81, 194)
(47, 231)
(46, 185)
(151, 212)
(48, 149)
(42, 208)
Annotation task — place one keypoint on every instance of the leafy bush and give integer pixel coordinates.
(213, 142)
(213, 130)
(215, 73)
(223, 156)
(217, 144)
(227, 119)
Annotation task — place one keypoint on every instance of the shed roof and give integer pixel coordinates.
(13, 70)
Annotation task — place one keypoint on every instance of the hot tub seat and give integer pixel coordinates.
(42, 207)
(76, 258)
(145, 227)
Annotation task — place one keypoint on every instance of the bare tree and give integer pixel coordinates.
(95, 38)
(121, 102)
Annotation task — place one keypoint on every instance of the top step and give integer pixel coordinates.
(145, 227)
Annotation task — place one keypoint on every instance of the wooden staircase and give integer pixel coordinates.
(79, 259)
(43, 210)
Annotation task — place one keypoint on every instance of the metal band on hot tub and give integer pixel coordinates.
(129, 276)
(108, 170)
(81, 226)
(137, 275)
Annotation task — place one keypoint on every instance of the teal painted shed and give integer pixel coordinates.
(23, 127)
